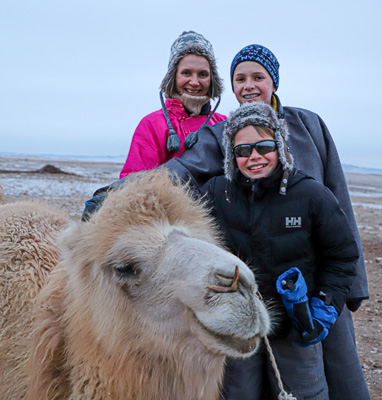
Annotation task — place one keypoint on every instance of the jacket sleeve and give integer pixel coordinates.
(148, 147)
(334, 179)
(336, 249)
(331, 174)
(203, 160)
(196, 165)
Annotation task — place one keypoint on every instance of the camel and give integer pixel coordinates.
(141, 302)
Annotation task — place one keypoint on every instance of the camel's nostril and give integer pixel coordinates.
(227, 289)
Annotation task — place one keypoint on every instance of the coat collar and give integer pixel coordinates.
(279, 108)
(259, 187)
(178, 110)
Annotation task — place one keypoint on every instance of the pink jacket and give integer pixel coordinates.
(148, 147)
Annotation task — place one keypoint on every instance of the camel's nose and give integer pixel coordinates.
(224, 288)
(233, 283)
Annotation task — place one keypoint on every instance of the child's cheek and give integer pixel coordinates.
(241, 163)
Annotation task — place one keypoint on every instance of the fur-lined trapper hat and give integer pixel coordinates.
(256, 114)
(191, 43)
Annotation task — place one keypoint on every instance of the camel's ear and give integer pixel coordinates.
(49, 379)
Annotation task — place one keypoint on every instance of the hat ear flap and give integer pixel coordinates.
(285, 158)
(229, 158)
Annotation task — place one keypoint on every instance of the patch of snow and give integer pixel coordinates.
(365, 194)
(40, 187)
(373, 188)
(368, 205)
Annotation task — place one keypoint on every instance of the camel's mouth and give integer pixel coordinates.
(239, 345)
(242, 346)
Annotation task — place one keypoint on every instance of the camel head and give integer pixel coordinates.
(147, 274)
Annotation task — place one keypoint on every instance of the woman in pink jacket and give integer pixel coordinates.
(191, 81)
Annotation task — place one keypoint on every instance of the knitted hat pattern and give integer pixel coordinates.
(256, 114)
(191, 43)
(261, 55)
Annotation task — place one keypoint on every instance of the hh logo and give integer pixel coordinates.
(292, 222)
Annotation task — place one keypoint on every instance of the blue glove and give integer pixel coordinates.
(324, 316)
(312, 322)
(293, 290)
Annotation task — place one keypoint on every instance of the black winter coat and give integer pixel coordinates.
(271, 232)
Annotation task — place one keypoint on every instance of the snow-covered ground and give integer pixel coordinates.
(69, 191)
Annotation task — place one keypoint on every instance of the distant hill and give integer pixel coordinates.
(361, 170)
(122, 158)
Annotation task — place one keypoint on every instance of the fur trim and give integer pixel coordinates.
(256, 114)
(193, 104)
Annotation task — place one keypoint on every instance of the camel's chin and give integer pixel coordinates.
(237, 347)
(227, 345)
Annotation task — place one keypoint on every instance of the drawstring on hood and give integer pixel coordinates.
(257, 114)
(173, 141)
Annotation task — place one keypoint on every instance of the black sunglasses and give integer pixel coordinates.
(263, 147)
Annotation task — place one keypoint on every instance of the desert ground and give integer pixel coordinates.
(24, 178)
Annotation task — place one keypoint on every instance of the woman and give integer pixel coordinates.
(191, 81)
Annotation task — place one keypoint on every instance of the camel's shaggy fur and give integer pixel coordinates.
(28, 253)
(129, 312)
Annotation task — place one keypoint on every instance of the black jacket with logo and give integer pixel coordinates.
(271, 232)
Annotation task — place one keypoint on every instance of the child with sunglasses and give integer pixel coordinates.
(254, 78)
(292, 230)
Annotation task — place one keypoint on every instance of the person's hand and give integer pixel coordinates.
(292, 287)
(311, 321)
(92, 205)
(323, 316)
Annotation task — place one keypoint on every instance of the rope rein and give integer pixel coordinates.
(283, 395)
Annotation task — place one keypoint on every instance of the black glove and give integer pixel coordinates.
(354, 304)
(92, 205)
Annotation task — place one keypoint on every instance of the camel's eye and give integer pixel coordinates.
(126, 269)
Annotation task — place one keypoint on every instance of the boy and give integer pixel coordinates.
(291, 228)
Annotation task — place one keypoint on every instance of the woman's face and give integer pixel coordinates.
(256, 165)
(193, 75)
(252, 82)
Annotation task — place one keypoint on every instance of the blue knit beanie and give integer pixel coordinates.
(261, 55)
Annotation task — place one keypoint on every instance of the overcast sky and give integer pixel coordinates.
(76, 76)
